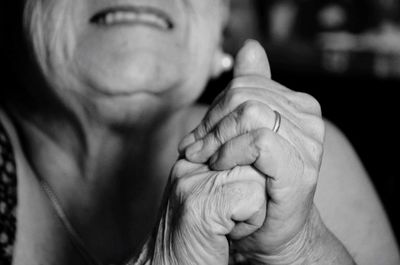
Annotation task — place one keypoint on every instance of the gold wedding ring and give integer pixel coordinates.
(277, 123)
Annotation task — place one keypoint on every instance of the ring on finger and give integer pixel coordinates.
(277, 123)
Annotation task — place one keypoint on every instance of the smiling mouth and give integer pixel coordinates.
(133, 15)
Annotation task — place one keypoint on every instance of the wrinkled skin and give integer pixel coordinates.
(237, 131)
(204, 206)
(245, 181)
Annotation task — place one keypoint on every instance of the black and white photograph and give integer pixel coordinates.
(199, 132)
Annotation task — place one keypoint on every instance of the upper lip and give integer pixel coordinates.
(101, 14)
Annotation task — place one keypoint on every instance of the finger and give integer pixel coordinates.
(245, 150)
(183, 167)
(249, 116)
(249, 226)
(267, 151)
(300, 108)
(242, 174)
(252, 60)
(221, 145)
(236, 196)
(229, 101)
(247, 203)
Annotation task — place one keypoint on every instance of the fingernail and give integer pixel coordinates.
(193, 149)
(251, 41)
(186, 141)
(252, 60)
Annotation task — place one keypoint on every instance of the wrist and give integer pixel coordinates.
(314, 244)
(184, 241)
(294, 252)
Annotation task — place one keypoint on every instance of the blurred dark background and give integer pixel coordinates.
(346, 53)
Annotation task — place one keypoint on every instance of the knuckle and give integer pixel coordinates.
(319, 149)
(262, 140)
(313, 125)
(310, 177)
(250, 109)
(315, 151)
(219, 135)
(301, 96)
(203, 128)
(319, 128)
(312, 164)
(199, 132)
(311, 151)
(296, 160)
(317, 125)
(310, 103)
(306, 171)
(314, 105)
(236, 119)
(262, 137)
(235, 97)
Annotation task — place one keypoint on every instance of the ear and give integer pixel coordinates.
(226, 12)
(222, 62)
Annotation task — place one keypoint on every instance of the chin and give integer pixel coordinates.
(137, 109)
(132, 73)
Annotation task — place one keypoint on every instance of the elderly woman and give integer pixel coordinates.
(107, 111)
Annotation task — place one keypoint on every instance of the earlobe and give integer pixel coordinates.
(223, 62)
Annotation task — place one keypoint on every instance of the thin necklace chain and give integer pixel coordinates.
(76, 239)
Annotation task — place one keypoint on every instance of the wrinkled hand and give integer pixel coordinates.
(201, 208)
(237, 131)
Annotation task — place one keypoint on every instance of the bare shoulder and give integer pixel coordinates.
(350, 206)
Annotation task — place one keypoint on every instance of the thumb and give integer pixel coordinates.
(252, 60)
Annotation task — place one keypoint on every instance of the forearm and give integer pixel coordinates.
(315, 245)
(324, 247)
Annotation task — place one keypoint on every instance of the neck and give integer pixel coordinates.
(109, 171)
(90, 151)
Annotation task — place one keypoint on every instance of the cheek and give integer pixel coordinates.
(52, 30)
(206, 32)
(204, 47)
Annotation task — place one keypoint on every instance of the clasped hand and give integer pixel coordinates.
(240, 180)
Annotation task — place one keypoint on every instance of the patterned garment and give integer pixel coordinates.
(8, 198)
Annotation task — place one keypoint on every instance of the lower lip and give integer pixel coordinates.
(133, 24)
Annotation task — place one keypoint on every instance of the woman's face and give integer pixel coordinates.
(121, 58)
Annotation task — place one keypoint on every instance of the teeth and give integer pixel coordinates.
(118, 17)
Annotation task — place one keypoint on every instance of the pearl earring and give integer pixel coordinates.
(226, 62)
